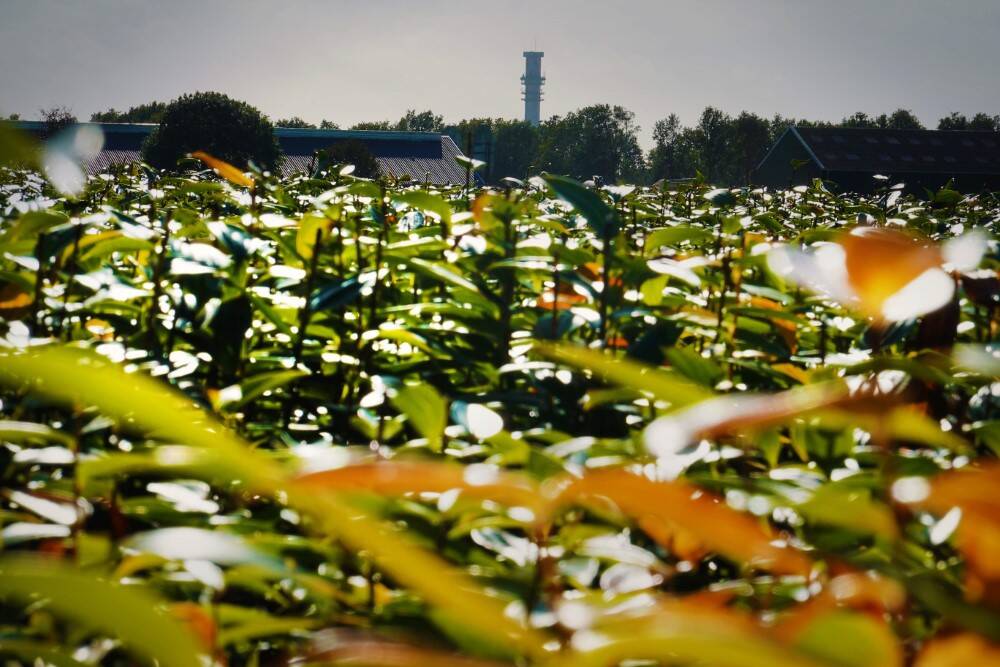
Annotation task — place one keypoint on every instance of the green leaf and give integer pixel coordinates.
(692, 365)
(426, 409)
(311, 228)
(197, 544)
(470, 163)
(29, 651)
(672, 236)
(100, 606)
(79, 379)
(33, 223)
(336, 294)
(443, 274)
(107, 247)
(599, 215)
(837, 504)
(850, 640)
(721, 197)
(425, 201)
(29, 432)
(663, 385)
(257, 385)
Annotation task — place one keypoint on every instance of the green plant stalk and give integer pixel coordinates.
(37, 325)
(373, 303)
(173, 417)
(305, 312)
(70, 275)
(158, 271)
(606, 253)
(507, 285)
(555, 297)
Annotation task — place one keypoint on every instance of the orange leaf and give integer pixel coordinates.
(702, 515)
(564, 299)
(973, 491)
(198, 621)
(880, 262)
(667, 534)
(14, 302)
(224, 169)
(677, 515)
(963, 650)
(101, 329)
(480, 481)
(338, 648)
(736, 413)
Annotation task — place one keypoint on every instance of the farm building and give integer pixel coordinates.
(852, 157)
(420, 156)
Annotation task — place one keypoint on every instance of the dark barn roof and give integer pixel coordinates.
(415, 155)
(851, 157)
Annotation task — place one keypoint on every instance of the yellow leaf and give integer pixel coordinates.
(683, 632)
(127, 612)
(77, 378)
(224, 169)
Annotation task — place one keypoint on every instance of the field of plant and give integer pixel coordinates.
(335, 421)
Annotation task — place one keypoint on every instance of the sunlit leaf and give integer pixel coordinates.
(602, 218)
(698, 513)
(224, 169)
(426, 409)
(127, 613)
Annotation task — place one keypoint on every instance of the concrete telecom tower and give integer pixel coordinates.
(532, 90)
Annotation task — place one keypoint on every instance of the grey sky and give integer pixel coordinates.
(353, 61)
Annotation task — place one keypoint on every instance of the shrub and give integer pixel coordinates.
(229, 129)
(353, 152)
(56, 119)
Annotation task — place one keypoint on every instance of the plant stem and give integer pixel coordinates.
(605, 289)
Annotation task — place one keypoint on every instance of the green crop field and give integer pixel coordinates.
(343, 421)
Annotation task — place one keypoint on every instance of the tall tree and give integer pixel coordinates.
(714, 137)
(373, 125)
(598, 140)
(150, 112)
(751, 139)
(425, 121)
(860, 119)
(516, 147)
(954, 121)
(229, 129)
(294, 122)
(900, 119)
(674, 154)
(983, 122)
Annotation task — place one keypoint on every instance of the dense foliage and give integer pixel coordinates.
(226, 128)
(151, 112)
(602, 140)
(352, 152)
(330, 418)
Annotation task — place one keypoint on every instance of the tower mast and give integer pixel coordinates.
(532, 83)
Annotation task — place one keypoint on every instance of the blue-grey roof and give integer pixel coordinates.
(901, 151)
(421, 156)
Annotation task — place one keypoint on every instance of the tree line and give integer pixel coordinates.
(602, 140)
